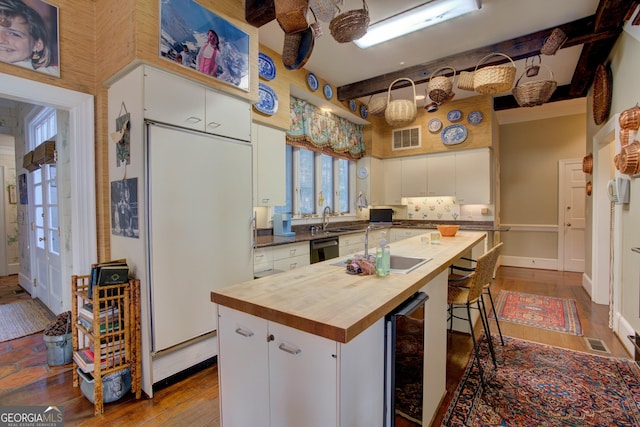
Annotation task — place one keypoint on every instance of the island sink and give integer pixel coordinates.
(399, 264)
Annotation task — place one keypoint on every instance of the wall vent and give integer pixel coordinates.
(597, 345)
(406, 138)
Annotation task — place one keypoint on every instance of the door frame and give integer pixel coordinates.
(82, 167)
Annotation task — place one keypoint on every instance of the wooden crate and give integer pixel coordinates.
(28, 163)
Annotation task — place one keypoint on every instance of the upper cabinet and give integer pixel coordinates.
(473, 177)
(414, 176)
(269, 166)
(181, 102)
(441, 174)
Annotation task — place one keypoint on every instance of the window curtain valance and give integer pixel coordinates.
(313, 129)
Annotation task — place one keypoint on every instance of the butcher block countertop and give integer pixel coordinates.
(322, 299)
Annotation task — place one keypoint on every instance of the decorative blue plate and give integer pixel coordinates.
(267, 100)
(266, 67)
(363, 111)
(453, 134)
(353, 106)
(435, 125)
(328, 91)
(454, 115)
(312, 81)
(474, 117)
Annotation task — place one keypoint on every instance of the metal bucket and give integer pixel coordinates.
(59, 351)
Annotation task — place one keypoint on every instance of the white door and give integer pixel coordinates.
(46, 237)
(571, 218)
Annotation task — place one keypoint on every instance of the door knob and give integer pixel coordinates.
(40, 239)
(568, 224)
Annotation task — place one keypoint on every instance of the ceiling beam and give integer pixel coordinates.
(609, 17)
(259, 12)
(507, 102)
(517, 48)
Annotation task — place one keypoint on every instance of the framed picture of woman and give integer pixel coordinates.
(197, 38)
(29, 35)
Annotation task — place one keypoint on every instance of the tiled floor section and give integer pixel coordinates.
(22, 360)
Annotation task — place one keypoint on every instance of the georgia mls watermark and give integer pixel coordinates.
(31, 416)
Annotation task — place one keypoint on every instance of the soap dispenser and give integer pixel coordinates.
(383, 257)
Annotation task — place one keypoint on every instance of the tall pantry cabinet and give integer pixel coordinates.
(192, 157)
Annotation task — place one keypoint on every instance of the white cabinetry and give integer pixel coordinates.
(170, 99)
(351, 243)
(441, 177)
(269, 156)
(274, 375)
(177, 101)
(281, 257)
(371, 185)
(473, 176)
(392, 181)
(405, 233)
(291, 256)
(414, 176)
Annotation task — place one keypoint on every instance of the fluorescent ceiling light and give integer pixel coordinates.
(431, 13)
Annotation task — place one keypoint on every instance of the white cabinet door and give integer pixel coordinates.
(441, 174)
(172, 100)
(376, 178)
(227, 116)
(414, 176)
(405, 233)
(243, 363)
(392, 181)
(473, 177)
(303, 379)
(269, 162)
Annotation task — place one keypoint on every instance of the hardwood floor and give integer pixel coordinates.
(194, 401)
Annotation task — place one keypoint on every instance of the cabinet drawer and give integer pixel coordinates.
(403, 233)
(291, 250)
(291, 263)
(262, 259)
(352, 239)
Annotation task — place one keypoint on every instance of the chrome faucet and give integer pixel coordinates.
(325, 218)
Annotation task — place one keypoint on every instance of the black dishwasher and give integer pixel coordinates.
(324, 249)
(404, 360)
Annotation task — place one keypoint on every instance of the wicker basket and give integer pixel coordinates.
(494, 78)
(292, 15)
(630, 159)
(440, 86)
(324, 10)
(530, 94)
(297, 48)
(377, 106)
(553, 42)
(587, 163)
(351, 25)
(627, 136)
(465, 80)
(401, 112)
(630, 118)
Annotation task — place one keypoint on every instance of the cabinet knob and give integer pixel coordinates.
(270, 338)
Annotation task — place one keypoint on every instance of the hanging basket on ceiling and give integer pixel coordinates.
(351, 25)
(532, 93)
(401, 112)
(324, 10)
(440, 86)
(553, 42)
(377, 106)
(494, 79)
(465, 80)
(291, 15)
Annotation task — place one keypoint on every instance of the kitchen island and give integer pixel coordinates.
(336, 377)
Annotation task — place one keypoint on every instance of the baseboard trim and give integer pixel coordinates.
(529, 262)
(587, 285)
(622, 328)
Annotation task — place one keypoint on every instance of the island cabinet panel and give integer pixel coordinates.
(278, 376)
(245, 382)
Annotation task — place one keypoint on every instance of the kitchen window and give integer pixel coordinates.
(316, 180)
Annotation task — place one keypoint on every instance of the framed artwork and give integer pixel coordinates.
(22, 189)
(29, 30)
(13, 198)
(197, 38)
(124, 208)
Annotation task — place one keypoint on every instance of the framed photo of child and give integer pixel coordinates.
(197, 38)
(29, 35)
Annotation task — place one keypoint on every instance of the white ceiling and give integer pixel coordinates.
(496, 21)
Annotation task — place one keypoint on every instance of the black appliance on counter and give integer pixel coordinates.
(404, 358)
(381, 216)
(324, 249)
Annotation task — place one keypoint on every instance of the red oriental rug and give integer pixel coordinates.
(541, 385)
(555, 314)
